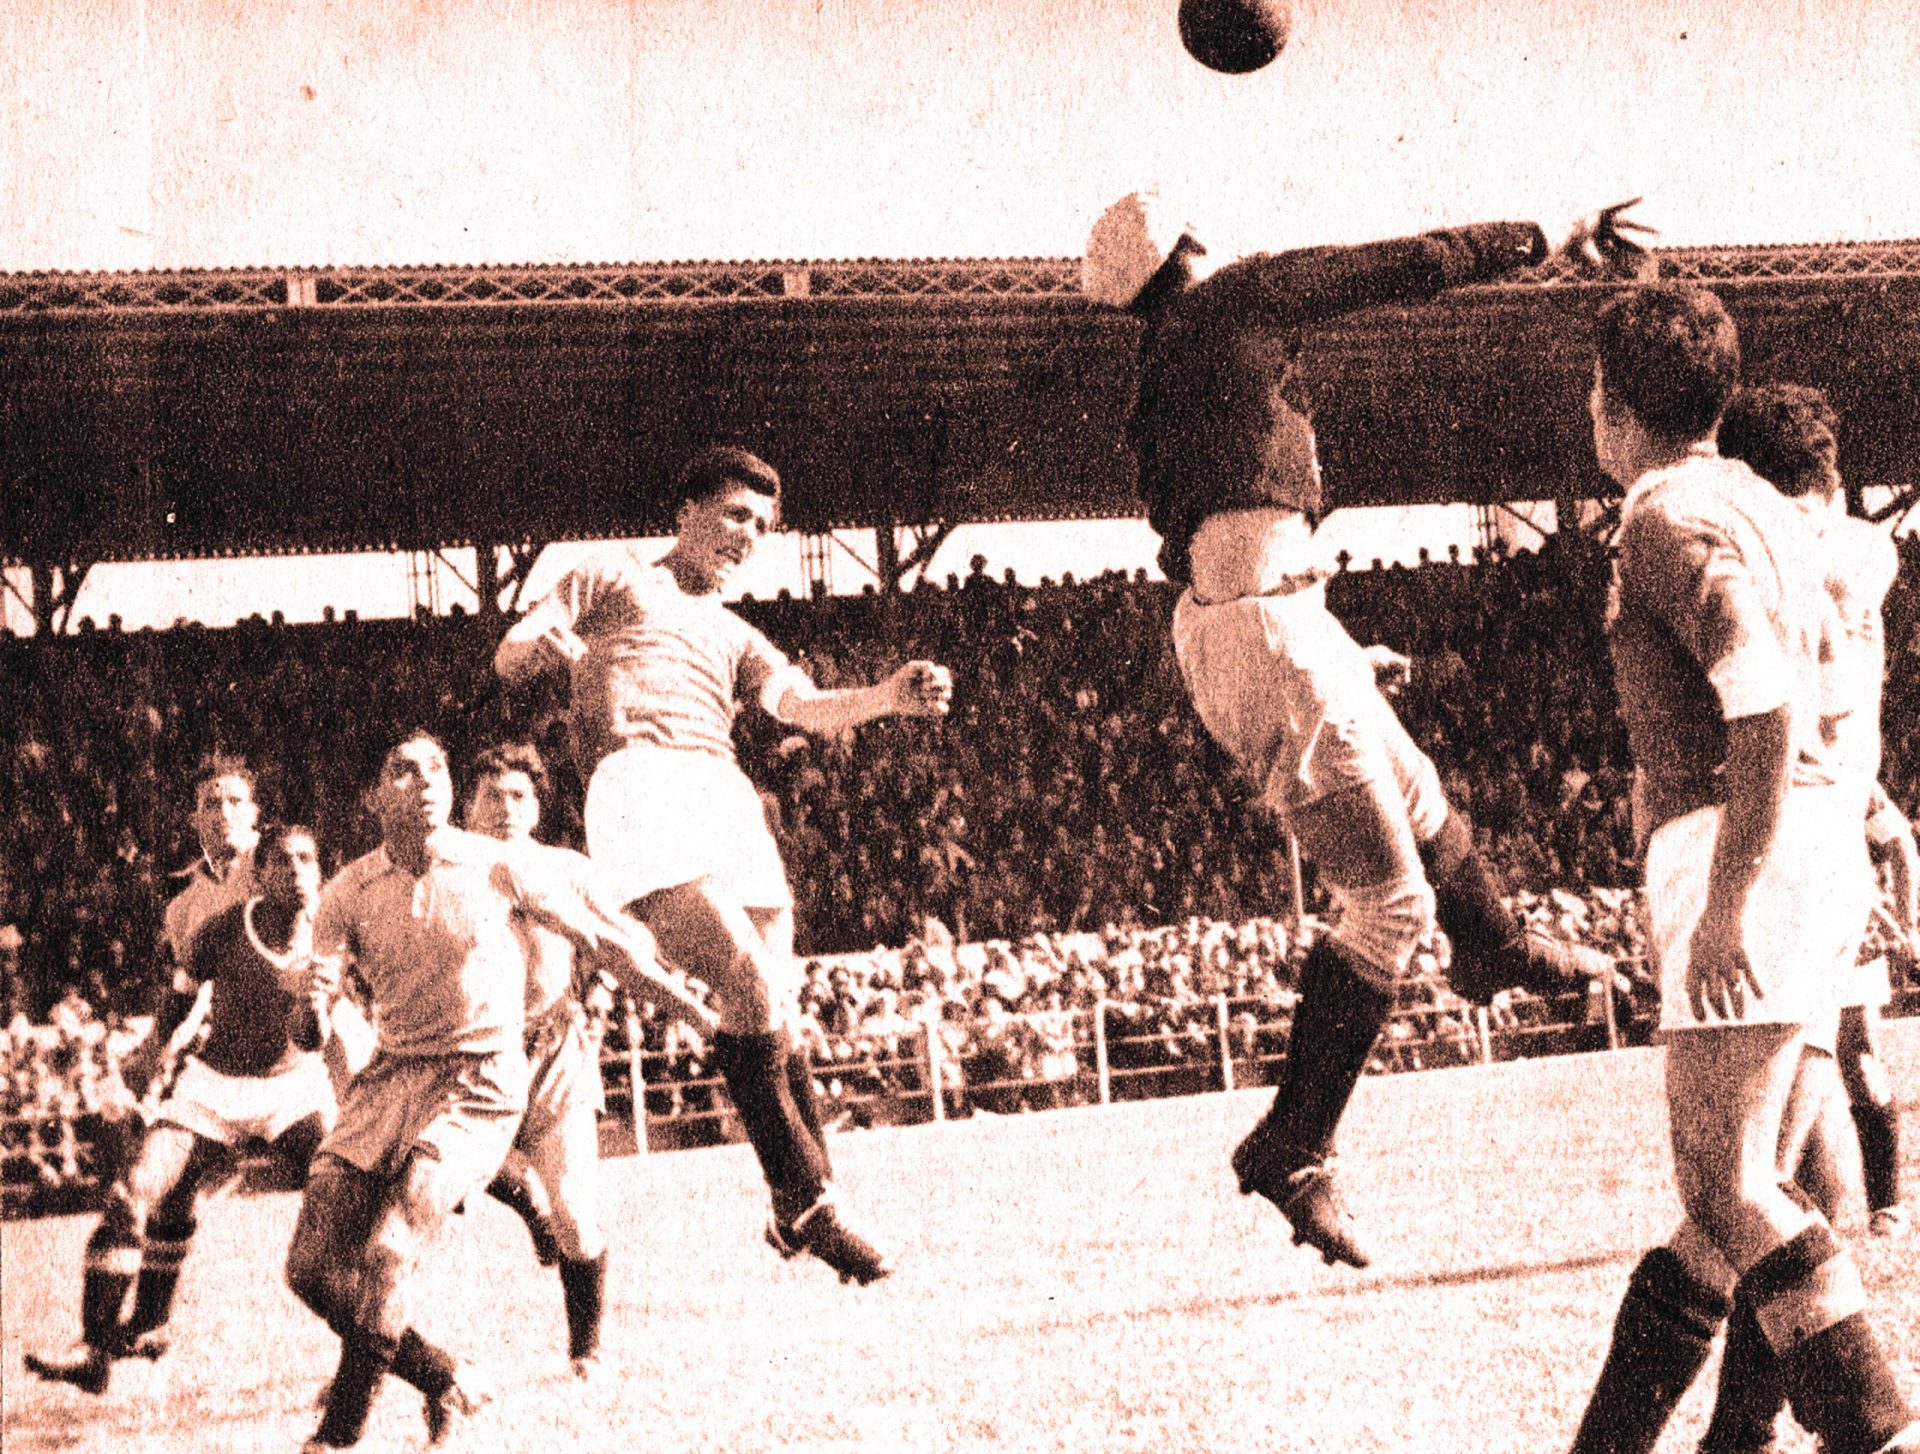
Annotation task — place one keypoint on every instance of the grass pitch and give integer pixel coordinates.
(1083, 1280)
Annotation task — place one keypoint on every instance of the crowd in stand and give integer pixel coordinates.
(1070, 802)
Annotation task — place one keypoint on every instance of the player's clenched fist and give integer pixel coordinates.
(922, 689)
(309, 1021)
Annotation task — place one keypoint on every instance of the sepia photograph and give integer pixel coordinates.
(1100, 726)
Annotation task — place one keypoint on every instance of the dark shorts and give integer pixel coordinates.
(462, 1110)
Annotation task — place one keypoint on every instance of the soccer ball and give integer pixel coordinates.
(1234, 36)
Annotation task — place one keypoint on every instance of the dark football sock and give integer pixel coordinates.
(112, 1258)
(807, 1103)
(583, 1282)
(1661, 1337)
(1807, 1299)
(1841, 1388)
(165, 1251)
(364, 1360)
(755, 1068)
(1335, 1023)
(1750, 1396)
(422, 1364)
(1468, 902)
(1879, 1129)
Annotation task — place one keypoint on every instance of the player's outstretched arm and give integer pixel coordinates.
(918, 689)
(1286, 290)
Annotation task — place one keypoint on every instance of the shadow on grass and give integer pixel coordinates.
(1356, 1287)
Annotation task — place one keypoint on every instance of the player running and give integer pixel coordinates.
(1230, 475)
(558, 1146)
(246, 1081)
(433, 923)
(1720, 629)
(659, 667)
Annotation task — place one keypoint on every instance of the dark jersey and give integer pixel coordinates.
(253, 992)
(1213, 427)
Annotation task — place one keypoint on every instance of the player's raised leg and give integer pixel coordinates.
(1362, 845)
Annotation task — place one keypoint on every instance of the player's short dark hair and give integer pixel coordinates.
(218, 765)
(414, 734)
(275, 835)
(1787, 434)
(1670, 354)
(720, 468)
(505, 757)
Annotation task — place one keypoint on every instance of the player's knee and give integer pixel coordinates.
(575, 1222)
(310, 1276)
(1382, 925)
(124, 1219)
(578, 1236)
(748, 991)
(1873, 1087)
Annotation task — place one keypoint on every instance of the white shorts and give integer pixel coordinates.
(1281, 685)
(1803, 914)
(1869, 985)
(657, 818)
(231, 1109)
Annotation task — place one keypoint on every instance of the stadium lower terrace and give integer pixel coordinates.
(1070, 827)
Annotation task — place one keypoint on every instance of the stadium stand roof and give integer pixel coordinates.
(202, 413)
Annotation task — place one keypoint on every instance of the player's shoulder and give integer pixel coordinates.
(355, 875)
(462, 846)
(1706, 499)
(216, 929)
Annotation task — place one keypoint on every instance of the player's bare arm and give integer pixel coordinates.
(917, 689)
(543, 640)
(1718, 972)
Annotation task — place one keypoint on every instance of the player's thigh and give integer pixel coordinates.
(1727, 1093)
(298, 1144)
(775, 928)
(700, 928)
(337, 1212)
(705, 931)
(161, 1163)
(567, 1160)
(421, 1201)
(1359, 835)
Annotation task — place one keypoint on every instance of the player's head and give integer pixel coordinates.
(225, 813)
(286, 866)
(414, 792)
(1787, 434)
(508, 785)
(1667, 360)
(725, 499)
(1137, 241)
